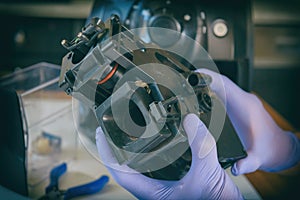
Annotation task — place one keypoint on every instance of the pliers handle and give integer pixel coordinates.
(55, 174)
(88, 188)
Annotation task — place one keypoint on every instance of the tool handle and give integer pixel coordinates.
(54, 176)
(88, 188)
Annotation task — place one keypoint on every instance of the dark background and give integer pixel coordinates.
(31, 32)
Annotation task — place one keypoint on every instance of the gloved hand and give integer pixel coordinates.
(269, 147)
(205, 179)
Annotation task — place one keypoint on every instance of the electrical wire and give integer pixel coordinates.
(109, 75)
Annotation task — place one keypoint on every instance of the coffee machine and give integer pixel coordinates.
(223, 28)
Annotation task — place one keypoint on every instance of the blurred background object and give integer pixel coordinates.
(223, 28)
(276, 56)
(36, 28)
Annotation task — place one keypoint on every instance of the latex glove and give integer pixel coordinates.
(205, 179)
(269, 147)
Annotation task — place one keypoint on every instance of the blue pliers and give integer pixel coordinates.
(53, 191)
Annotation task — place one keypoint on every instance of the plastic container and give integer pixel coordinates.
(37, 86)
(52, 136)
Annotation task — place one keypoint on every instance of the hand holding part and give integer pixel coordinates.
(206, 179)
(269, 148)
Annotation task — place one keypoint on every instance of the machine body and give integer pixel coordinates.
(140, 94)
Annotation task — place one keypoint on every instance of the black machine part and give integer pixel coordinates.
(12, 144)
(92, 73)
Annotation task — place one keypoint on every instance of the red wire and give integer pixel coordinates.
(109, 75)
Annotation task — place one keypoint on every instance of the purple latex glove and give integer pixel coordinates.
(206, 179)
(269, 147)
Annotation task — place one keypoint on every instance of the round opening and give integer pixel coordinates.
(193, 80)
(165, 22)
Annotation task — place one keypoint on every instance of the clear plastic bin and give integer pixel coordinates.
(48, 113)
(38, 87)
